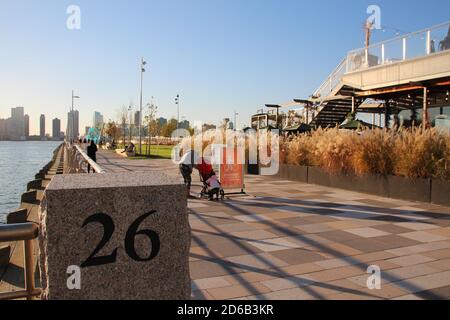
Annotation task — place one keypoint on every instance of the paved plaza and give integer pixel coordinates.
(289, 240)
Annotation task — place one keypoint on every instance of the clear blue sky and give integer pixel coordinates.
(218, 55)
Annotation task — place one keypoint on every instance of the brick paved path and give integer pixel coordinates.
(288, 240)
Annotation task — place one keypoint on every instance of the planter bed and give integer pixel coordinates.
(423, 190)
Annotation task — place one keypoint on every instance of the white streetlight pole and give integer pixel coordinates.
(72, 115)
(143, 63)
(235, 120)
(177, 102)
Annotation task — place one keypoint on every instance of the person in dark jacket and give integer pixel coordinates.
(92, 153)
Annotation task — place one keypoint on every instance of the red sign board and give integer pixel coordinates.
(231, 173)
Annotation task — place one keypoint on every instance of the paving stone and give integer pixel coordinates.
(391, 228)
(427, 282)
(288, 294)
(420, 248)
(253, 235)
(210, 283)
(438, 254)
(341, 249)
(258, 261)
(336, 273)
(408, 297)
(201, 295)
(411, 271)
(270, 245)
(410, 260)
(442, 265)
(297, 256)
(367, 232)
(314, 228)
(237, 291)
(338, 236)
(423, 236)
(418, 226)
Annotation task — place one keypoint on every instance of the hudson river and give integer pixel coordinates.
(19, 162)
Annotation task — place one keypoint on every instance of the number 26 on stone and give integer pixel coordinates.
(108, 230)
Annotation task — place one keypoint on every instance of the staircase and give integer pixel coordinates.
(332, 102)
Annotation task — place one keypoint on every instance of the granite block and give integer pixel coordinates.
(139, 210)
(5, 253)
(19, 216)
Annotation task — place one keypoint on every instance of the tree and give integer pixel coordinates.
(123, 119)
(169, 127)
(152, 124)
(112, 130)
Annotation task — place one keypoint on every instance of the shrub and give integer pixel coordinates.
(422, 153)
(374, 152)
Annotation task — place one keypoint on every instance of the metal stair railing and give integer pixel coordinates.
(332, 81)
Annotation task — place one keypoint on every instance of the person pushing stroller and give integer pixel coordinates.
(211, 184)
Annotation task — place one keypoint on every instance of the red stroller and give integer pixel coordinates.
(206, 172)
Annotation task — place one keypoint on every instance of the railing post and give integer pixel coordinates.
(28, 264)
(383, 57)
(367, 57)
(404, 48)
(428, 44)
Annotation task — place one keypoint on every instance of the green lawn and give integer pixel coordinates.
(157, 152)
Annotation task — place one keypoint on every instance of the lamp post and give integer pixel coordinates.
(72, 114)
(235, 120)
(177, 102)
(130, 108)
(143, 63)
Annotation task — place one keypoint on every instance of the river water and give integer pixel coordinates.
(19, 162)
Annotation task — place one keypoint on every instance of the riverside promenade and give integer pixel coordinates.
(289, 240)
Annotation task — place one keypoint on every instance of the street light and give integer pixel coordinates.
(130, 108)
(143, 63)
(177, 102)
(72, 118)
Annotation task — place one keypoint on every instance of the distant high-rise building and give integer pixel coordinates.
(73, 125)
(42, 126)
(16, 126)
(3, 129)
(26, 120)
(184, 124)
(56, 129)
(98, 120)
(137, 118)
(162, 121)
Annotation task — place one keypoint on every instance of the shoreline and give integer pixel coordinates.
(29, 196)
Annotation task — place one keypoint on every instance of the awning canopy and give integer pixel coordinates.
(302, 127)
(356, 124)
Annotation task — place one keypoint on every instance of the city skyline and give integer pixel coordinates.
(17, 127)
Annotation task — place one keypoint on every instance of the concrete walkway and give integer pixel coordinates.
(288, 240)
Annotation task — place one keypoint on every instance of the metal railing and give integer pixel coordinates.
(78, 161)
(332, 81)
(404, 47)
(25, 232)
(409, 46)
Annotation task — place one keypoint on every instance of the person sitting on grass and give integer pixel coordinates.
(129, 148)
